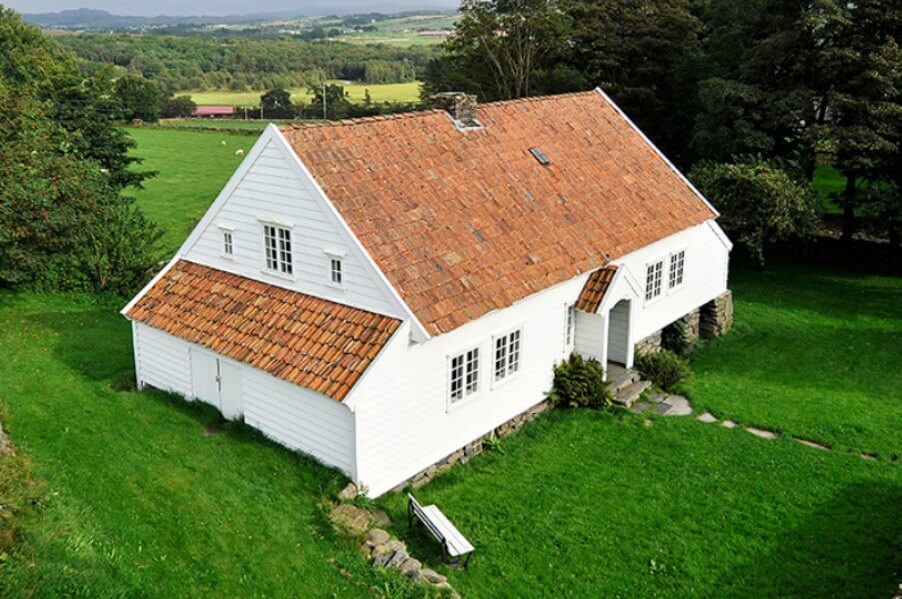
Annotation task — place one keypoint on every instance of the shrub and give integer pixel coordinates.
(664, 368)
(579, 383)
(673, 337)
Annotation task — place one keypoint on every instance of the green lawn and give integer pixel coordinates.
(815, 352)
(194, 166)
(139, 502)
(385, 92)
(587, 504)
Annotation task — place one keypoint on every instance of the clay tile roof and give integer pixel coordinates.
(465, 222)
(302, 339)
(595, 288)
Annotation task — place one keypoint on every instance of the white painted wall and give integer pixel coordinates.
(590, 335)
(161, 360)
(705, 272)
(300, 419)
(403, 420)
(272, 187)
(295, 417)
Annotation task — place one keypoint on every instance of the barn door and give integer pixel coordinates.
(231, 404)
(205, 377)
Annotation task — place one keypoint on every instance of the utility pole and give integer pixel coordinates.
(261, 111)
(324, 100)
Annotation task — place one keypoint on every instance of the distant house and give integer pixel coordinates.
(214, 112)
(380, 292)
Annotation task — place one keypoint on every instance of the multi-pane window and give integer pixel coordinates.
(507, 355)
(278, 249)
(677, 261)
(335, 271)
(228, 245)
(464, 375)
(570, 328)
(653, 276)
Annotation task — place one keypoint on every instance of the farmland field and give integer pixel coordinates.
(387, 92)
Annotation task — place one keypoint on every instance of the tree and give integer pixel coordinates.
(177, 107)
(336, 101)
(139, 98)
(646, 55)
(63, 221)
(502, 49)
(276, 104)
(759, 203)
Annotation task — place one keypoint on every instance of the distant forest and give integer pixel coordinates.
(191, 62)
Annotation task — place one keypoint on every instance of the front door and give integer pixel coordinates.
(618, 332)
(217, 383)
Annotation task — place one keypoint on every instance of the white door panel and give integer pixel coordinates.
(204, 377)
(232, 406)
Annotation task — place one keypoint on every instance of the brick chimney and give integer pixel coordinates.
(461, 107)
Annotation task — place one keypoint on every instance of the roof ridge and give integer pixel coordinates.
(363, 120)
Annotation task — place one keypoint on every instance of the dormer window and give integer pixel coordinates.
(278, 249)
(228, 245)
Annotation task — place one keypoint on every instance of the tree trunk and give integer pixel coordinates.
(848, 209)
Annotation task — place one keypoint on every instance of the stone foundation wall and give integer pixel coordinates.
(717, 315)
(650, 344)
(473, 448)
(693, 325)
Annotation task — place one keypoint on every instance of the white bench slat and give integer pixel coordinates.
(457, 544)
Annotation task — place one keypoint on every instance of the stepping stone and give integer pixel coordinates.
(211, 430)
(868, 456)
(677, 406)
(656, 397)
(648, 422)
(758, 432)
(729, 424)
(662, 407)
(811, 444)
(707, 418)
(640, 407)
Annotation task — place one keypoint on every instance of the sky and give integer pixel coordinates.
(146, 8)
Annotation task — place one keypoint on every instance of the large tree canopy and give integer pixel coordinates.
(63, 222)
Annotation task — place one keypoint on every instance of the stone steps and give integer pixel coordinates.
(620, 377)
(628, 395)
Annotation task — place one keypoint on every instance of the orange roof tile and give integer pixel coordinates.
(595, 288)
(465, 222)
(302, 339)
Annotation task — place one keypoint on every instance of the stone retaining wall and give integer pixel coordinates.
(473, 448)
(650, 344)
(717, 315)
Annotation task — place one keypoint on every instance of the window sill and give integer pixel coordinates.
(498, 383)
(451, 406)
(336, 286)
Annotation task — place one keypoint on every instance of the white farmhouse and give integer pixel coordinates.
(379, 293)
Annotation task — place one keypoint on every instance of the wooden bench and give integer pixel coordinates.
(454, 545)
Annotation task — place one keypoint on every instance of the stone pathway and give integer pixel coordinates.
(709, 418)
(628, 389)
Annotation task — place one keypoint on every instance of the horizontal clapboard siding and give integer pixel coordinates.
(272, 189)
(163, 361)
(300, 419)
(589, 335)
(403, 421)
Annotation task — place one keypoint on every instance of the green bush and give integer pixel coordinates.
(664, 368)
(673, 337)
(579, 383)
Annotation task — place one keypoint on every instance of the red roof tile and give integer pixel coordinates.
(593, 291)
(465, 222)
(302, 339)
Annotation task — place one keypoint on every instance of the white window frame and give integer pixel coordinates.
(228, 241)
(682, 265)
(331, 258)
(279, 269)
(569, 327)
(450, 376)
(508, 374)
(660, 279)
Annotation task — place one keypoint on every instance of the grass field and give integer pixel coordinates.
(388, 92)
(135, 500)
(194, 166)
(816, 352)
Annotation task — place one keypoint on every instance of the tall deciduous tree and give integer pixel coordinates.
(504, 49)
(139, 98)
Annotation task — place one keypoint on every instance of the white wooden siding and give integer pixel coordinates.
(300, 419)
(618, 331)
(271, 188)
(403, 420)
(163, 361)
(589, 335)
